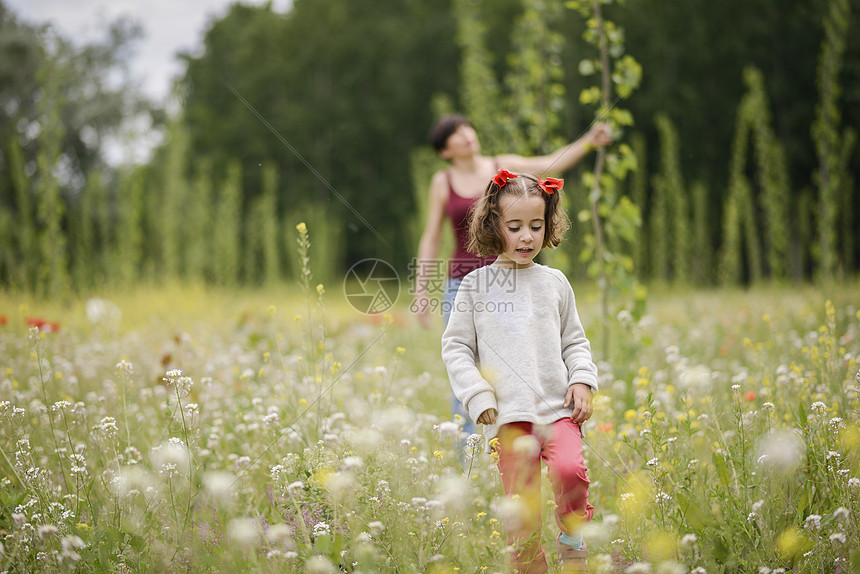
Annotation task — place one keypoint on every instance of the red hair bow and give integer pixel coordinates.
(503, 176)
(550, 184)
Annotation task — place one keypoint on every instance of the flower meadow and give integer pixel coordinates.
(175, 429)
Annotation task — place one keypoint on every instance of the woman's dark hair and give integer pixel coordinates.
(485, 231)
(443, 128)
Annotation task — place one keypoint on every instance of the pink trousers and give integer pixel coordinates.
(521, 448)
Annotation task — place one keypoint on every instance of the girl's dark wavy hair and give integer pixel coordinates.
(485, 230)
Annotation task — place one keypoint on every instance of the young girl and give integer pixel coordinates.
(453, 193)
(518, 359)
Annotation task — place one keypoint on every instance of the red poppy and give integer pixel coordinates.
(550, 184)
(3, 320)
(750, 395)
(605, 427)
(43, 325)
(503, 176)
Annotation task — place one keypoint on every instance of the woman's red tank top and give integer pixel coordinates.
(457, 210)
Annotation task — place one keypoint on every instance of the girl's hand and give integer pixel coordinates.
(488, 417)
(579, 397)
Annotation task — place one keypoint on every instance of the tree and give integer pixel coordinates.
(52, 274)
(825, 132)
(744, 204)
(669, 187)
(199, 224)
(353, 105)
(226, 234)
(58, 103)
(613, 216)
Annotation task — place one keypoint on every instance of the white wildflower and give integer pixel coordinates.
(279, 534)
(218, 483)
(781, 450)
(447, 428)
(321, 528)
(319, 564)
(526, 445)
(813, 522)
(107, 426)
(838, 537)
(168, 469)
(125, 368)
(181, 384)
(243, 532)
(453, 492)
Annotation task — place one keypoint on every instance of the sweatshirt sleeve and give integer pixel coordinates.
(460, 354)
(575, 347)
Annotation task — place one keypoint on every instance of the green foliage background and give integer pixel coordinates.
(322, 112)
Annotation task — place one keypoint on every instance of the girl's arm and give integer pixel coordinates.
(561, 159)
(460, 354)
(575, 347)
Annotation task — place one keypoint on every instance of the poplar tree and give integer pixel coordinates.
(701, 246)
(846, 202)
(739, 226)
(199, 225)
(772, 175)
(669, 186)
(52, 277)
(226, 234)
(81, 245)
(174, 192)
(268, 220)
(22, 249)
(742, 203)
(98, 206)
(129, 230)
(535, 80)
(639, 193)
(480, 95)
(825, 133)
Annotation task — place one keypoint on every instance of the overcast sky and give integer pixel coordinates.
(170, 26)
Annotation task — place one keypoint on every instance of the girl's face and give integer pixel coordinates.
(523, 228)
(463, 142)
